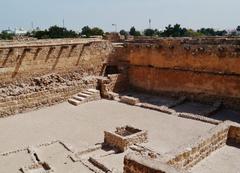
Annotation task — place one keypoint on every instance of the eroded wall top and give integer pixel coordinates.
(217, 55)
(22, 60)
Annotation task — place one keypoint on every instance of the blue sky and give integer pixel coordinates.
(219, 14)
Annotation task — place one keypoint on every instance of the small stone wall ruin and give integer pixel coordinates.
(187, 156)
(124, 137)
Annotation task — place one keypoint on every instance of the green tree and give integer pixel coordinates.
(174, 31)
(157, 32)
(207, 31)
(123, 32)
(149, 32)
(86, 30)
(192, 33)
(134, 32)
(212, 32)
(238, 28)
(41, 34)
(97, 31)
(54, 32)
(6, 36)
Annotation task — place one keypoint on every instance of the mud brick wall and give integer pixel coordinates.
(115, 83)
(134, 163)
(204, 69)
(35, 100)
(114, 140)
(39, 73)
(122, 143)
(187, 156)
(19, 61)
(234, 135)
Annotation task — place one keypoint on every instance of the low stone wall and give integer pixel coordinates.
(187, 155)
(123, 142)
(34, 100)
(234, 134)
(134, 163)
(129, 100)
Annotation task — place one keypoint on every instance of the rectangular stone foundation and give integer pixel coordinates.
(124, 137)
(187, 156)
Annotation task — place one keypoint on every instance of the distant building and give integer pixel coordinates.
(20, 31)
(9, 31)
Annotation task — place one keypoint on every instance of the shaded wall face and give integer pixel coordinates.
(36, 60)
(201, 67)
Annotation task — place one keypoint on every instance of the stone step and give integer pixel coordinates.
(93, 90)
(83, 95)
(79, 98)
(87, 92)
(74, 102)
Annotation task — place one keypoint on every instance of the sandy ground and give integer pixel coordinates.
(224, 160)
(13, 163)
(84, 125)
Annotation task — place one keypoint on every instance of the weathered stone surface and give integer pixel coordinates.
(134, 163)
(202, 69)
(129, 100)
(124, 137)
(187, 155)
(46, 72)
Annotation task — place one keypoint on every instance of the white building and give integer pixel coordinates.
(20, 31)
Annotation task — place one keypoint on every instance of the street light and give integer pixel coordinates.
(115, 25)
(150, 23)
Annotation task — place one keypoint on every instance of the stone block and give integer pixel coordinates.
(122, 138)
(129, 100)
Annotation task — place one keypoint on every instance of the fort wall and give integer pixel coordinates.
(204, 69)
(38, 73)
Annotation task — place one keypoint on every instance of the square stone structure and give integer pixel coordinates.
(124, 137)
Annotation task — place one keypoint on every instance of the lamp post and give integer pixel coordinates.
(115, 25)
(150, 23)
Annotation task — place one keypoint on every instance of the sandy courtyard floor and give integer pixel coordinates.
(84, 125)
